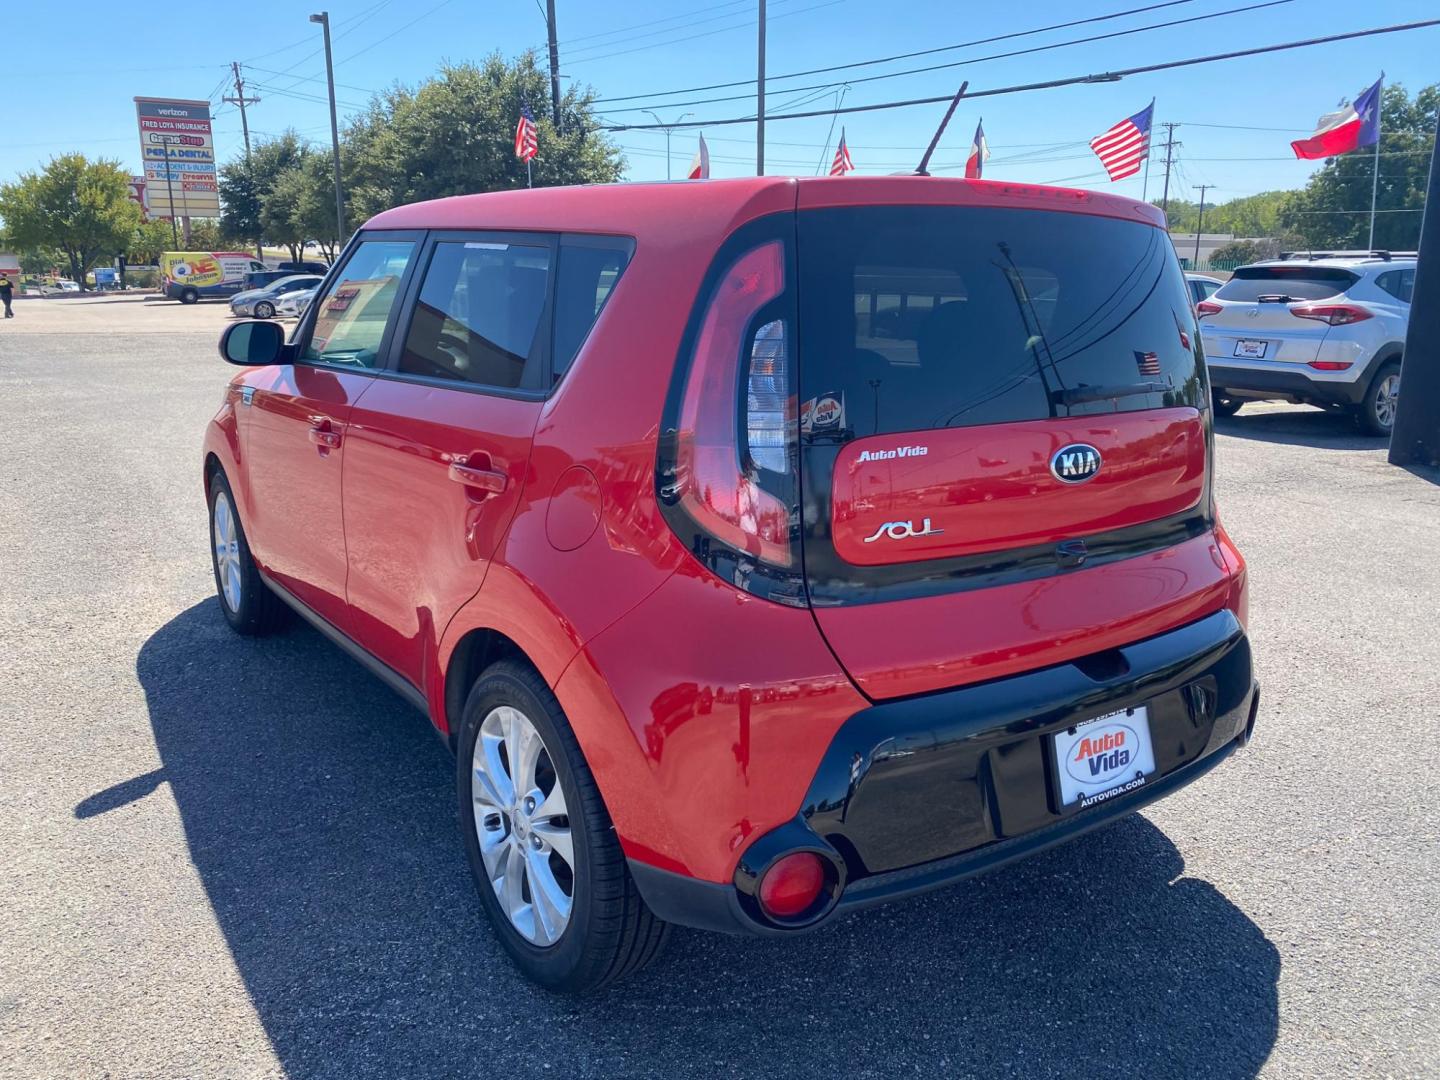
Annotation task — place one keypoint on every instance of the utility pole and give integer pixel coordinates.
(323, 18)
(760, 100)
(1170, 145)
(554, 63)
(1195, 265)
(241, 100)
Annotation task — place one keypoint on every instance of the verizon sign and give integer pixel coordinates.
(178, 149)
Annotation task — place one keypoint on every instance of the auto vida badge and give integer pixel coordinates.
(1075, 464)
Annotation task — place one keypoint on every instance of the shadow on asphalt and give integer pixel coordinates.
(319, 812)
(1298, 427)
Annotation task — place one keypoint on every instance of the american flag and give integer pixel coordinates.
(525, 145)
(1124, 146)
(1148, 363)
(842, 163)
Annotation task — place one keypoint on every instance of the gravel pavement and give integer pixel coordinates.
(222, 857)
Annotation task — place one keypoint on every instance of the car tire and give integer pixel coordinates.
(264, 310)
(1377, 411)
(249, 605)
(1225, 406)
(189, 296)
(607, 932)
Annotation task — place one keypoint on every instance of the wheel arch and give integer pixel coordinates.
(477, 650)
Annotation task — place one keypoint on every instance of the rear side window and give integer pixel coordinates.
(916, 318)
(480, 315)
(1286, 283)
(588, 272)
(1398, 283)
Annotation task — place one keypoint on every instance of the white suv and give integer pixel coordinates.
(1325, 331)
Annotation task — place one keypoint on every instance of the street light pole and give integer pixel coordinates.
(323, 18)
(760, 97)
(667, 128)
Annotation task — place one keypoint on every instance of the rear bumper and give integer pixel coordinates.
(915, 794)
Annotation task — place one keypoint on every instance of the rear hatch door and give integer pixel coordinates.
(1004, 439)
(1255, 322)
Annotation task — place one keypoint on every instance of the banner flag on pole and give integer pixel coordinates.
(979, 153)
(1123, 147)
(842, 163)
(1346, 129)
(526, 145)
(700, 163)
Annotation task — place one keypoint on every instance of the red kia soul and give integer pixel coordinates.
(765, 549)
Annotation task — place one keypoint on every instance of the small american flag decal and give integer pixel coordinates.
(1148, 363)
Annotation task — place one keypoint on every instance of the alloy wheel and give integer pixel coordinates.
(1387, 397)
(227, 551)
(523, 826)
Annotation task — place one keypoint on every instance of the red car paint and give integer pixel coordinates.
(990, 488)
(702, 710)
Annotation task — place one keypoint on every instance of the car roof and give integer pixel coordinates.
(690, 207)
(1344, 262)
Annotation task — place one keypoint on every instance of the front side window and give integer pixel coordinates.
(480, 315)
(352, 315)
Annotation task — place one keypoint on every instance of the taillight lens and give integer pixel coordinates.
(734, 458)
(1207, 307)
(1334, 314)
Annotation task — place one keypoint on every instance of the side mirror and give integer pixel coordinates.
(252, 344)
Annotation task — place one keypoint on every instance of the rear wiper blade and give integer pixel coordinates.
(1275, 298)
(1080, 394)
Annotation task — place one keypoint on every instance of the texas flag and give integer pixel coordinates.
(700, 163)
(979, 153)
(1347, 129)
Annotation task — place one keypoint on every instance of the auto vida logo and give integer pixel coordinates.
(902, 530)
(1102, 754)
(1076, 463)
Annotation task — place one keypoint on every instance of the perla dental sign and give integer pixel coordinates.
(898, 452)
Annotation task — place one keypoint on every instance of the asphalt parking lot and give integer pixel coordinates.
(222, 857)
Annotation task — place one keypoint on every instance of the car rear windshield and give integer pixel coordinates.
(1300, 282)
(915, 318)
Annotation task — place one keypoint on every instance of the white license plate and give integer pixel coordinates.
(1250, 350)
(1104, 757)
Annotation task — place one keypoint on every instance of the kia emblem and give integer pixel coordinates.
(1074, 464)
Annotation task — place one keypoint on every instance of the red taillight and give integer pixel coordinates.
(1331, 365)
(717, 474)
(792, 885)
(1334, 314)
(1207, 307)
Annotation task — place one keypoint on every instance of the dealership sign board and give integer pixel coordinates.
(178, 149)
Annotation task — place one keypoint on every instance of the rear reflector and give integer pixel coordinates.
(1334, 314)
(792, 885)
(1330, 365)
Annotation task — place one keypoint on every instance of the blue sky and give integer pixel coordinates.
(76, 76)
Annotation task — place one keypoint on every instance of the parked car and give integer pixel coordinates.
(724, 640)
(292, 305)
(1201, 286)
(258, 279)
(1327, 331)
(308, 266)
(263, 303)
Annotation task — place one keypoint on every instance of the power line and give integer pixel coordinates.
(1099, 77)
(748, 6)
(899, 56)
(994, 56)
(707, 33)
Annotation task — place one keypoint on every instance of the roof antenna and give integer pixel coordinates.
(920, 169)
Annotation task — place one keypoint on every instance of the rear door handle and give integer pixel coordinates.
(323, 434)
(487, 480)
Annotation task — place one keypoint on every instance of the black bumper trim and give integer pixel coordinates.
(1289, 384)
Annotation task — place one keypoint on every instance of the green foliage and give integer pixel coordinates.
(1333, 209)
(204, 235)
(246, 186)
(149, 240)
(1239, 252)
(78, 207)
(1253, 215)
(454, 135)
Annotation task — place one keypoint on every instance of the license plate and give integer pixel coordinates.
(1250, 350)
(1104, 757)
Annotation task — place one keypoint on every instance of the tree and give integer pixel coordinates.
(1240, 251)
(1333, 211)
(149, 240)
(280, 213)
(205, 235)
(80, 207)
(245, 185)
(454, 135)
